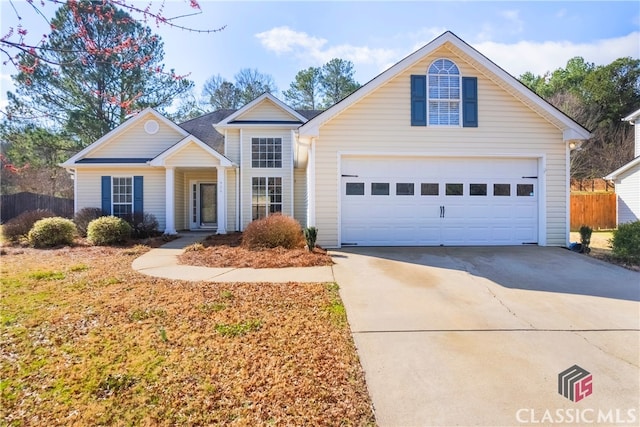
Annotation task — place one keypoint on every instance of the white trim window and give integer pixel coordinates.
(266, 196)
(443, 80)
(122, 196)
(266, 152)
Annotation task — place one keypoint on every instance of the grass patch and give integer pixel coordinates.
(238, 329)
(79, 267)
(107, 345)
(335, 308)
(46, 275)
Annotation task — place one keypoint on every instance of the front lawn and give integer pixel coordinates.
(85, 340)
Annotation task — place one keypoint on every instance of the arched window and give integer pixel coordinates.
(443, 93)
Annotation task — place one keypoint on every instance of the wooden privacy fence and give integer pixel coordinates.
(12, 205)
(597, 210)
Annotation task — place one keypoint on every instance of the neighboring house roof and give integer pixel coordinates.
(571, 129)
(633, 164)
(632, 117)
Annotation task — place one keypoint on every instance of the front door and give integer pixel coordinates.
(204, 208)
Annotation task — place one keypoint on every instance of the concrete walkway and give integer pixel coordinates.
(163, 262)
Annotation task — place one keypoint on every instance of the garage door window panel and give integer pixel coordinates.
(454, 189)
(355, 189)
(502, 189)
(429, 189)
(404, 189)
(524, 190)
(477, 189)
(379, 188)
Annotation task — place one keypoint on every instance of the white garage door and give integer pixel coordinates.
(438, 201)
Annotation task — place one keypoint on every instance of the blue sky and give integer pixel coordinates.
(281, 38)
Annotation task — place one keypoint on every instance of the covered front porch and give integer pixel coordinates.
(195, 187)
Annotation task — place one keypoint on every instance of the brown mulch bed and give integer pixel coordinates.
(226, 250)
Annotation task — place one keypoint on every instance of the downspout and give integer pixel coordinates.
(293, 173)
(311, 185)
(241, 170)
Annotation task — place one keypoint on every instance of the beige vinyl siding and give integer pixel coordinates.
(300, 196)
(380, 123)
(192, 156)
(181, 201)
(233, 145)
(628, 190)
(231, 200)
(266, 110)
(286, 172)
(89, 189)
(136, 143)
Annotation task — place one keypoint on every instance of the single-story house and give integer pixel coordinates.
(443, 148)
(627, 179)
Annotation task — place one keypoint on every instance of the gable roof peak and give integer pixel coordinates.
(127, 124)
(265, 97)
(569, 126)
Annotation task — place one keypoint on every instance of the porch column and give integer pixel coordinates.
(169, 201)
(222, 199)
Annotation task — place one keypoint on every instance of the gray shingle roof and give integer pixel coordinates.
(202, 127)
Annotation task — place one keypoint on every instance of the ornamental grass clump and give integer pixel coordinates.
(108, 230)
(272, 232)
(49, 232)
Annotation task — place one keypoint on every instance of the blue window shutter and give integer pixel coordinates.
(470, 102)
(106, 195)
(418, 100)
(138, 198)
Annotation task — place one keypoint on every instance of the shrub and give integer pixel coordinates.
(626, 242)
(310, 235)
(83, 217)
(49, 232)
(108, 230)
(143, 225)
(20, 226)
(272, 232)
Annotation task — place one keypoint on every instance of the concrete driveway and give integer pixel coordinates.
(478, 336)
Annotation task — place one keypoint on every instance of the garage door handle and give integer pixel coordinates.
(441, 211)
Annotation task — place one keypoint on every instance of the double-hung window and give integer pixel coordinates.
(443, 93)
(266, 152)
(122, 196)
(266, 196)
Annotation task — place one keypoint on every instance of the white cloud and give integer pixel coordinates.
(317, 51)
(540, 57)
(513, 17)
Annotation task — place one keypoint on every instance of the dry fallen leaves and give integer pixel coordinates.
(86, 340)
